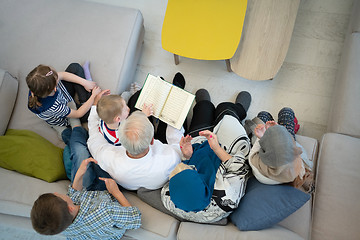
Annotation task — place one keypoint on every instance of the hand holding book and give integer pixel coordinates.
(170, 103)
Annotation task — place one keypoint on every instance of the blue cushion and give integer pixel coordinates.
(265, 205)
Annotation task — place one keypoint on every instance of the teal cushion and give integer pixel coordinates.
(265, 205)
(29, 153)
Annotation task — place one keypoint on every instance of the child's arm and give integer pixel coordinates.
(86, 105)
(69, 77)
(78, 179)
(214, 144)
(113, 189)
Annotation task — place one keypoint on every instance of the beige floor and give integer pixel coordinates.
(305, 82)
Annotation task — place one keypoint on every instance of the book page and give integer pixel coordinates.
(177, 107)
(155, 91)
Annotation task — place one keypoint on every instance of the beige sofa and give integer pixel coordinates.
(111, 39)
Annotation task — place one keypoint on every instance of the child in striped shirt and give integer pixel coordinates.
(112, 109)
(51, 95)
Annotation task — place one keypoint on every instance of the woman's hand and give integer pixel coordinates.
(212, 139)
(215, 146)
(186, 147)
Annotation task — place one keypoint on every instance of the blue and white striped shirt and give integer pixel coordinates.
(54, 109)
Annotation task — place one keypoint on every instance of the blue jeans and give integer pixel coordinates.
(79, 152)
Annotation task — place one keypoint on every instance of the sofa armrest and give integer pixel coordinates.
(336, 209)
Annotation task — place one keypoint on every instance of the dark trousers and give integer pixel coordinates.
(74, 88)
(206, 116)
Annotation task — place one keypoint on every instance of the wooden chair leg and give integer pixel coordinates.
(176, 58)
(228, 65)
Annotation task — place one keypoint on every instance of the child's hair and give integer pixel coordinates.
(50, 214)
(110, 106)
(41, 82)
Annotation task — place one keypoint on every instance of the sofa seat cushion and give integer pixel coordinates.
(190, 231)
(18, 192)
(159, 224)
(8, 93)
(336, 205)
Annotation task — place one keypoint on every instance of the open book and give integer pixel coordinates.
(171, 104)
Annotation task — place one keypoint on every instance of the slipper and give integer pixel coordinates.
(244, 98)
(179, 80)
(202, 95)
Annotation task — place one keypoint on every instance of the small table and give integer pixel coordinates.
(265, 38)
(203, 29)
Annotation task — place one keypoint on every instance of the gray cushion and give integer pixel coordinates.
(8, 93)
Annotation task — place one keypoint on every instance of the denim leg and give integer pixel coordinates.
(80, 152)
(66, 135)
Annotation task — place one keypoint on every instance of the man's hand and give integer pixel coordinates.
(186, 147)
(148, 110)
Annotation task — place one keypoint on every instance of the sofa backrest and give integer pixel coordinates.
(346, 96)
(8, 93)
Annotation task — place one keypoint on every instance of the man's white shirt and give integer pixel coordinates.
(151, 171)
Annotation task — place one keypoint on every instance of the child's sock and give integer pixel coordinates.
(126, 96)
(86, 68)
(134, 87)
